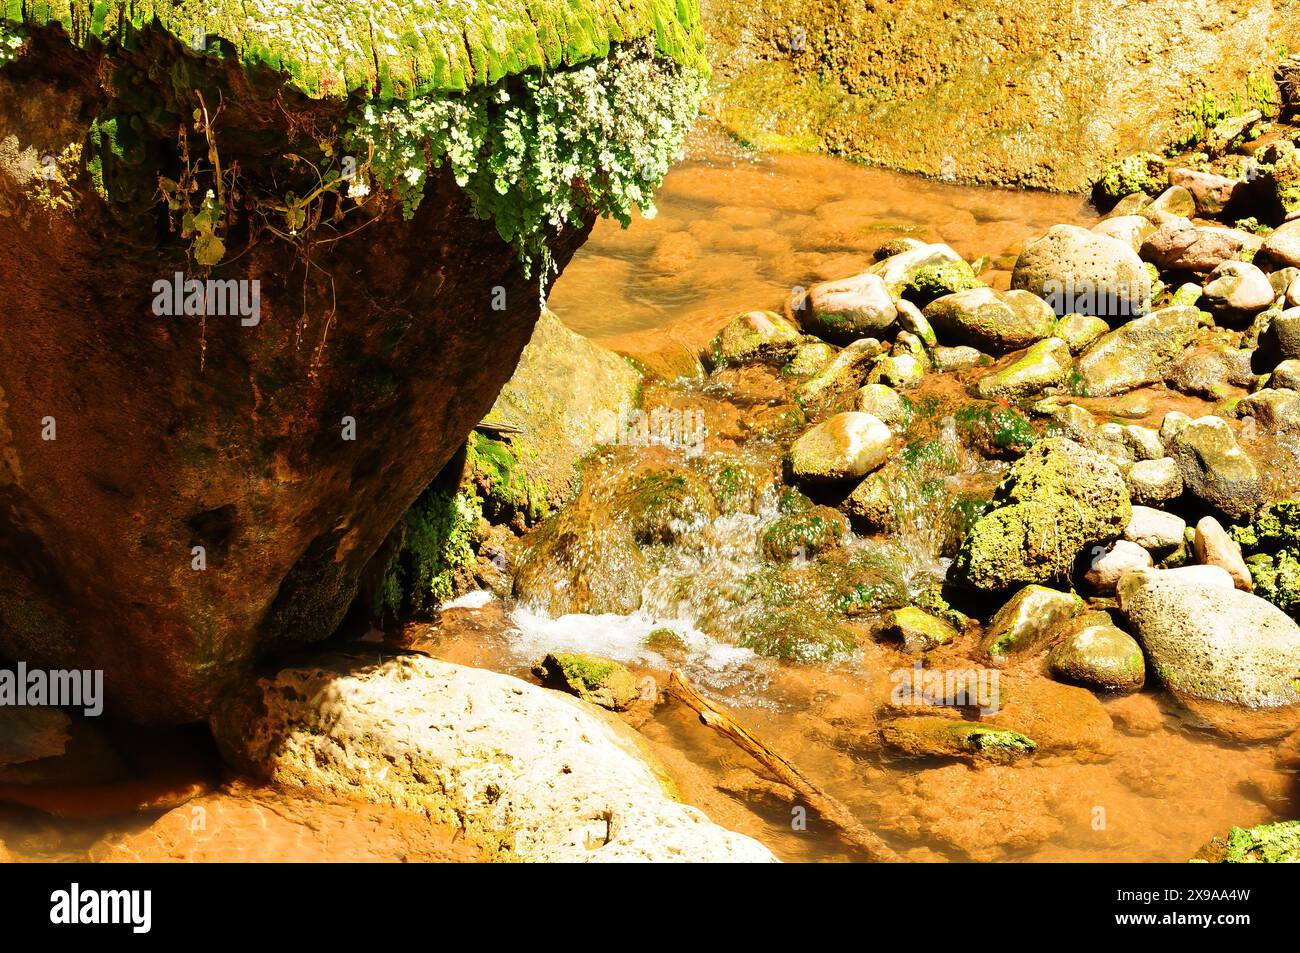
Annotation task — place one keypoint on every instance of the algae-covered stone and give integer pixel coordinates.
(899, 270)
(992, 321)
(808, 358)
(1277, 843)
(1027, 622)
(804, 533)
(755, 336)
(849, 370)
(600, 681)
(932, 281)
(935, 737)
(1271, 544)
(1141, 173)
(900, 370)
(1175, 200)
(1059, 498)
(847, 446)
(911, 320)
(1075, 270)
(1215, 468)
(885, 403)
(1211, 193)
(847, 309)
(1210, 642)
(1079, 330)
(918, 630)
(1138, 352)
(1046, 364)
(991, 430)
(1154, 481)
(1091, 651)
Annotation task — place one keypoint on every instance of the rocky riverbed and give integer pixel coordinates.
(988, 553)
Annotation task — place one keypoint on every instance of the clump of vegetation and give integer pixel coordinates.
(1271, 544)
(11, 41)
(503, 483)
(439, 537)
(1142, 172)
(1277, 843)
(543, 152)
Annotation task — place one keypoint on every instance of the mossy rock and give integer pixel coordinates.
(804, 534)
(936, 280)
(1277, 843)
(1142, 172)
(663, 504)
(600, 681)
(918, 630)
(995, 431)
(938, 737)
(1058, 498)
(1271, 544)
(330, 48)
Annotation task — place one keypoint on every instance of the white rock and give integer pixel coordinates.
(1214, 547)
(538, 774)
(1108, 563)
(1155, 529)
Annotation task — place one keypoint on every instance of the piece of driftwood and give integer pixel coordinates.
(831, 810)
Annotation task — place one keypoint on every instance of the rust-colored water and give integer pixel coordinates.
(737, 231)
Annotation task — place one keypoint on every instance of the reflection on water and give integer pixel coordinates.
(737, 231)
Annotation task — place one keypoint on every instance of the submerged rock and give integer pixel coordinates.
(1059, 498)
(528, 773)
(1210, 642)
(847, 446)
(936, 737)
(1094, 653)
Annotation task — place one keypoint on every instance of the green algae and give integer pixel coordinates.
(1271, 545)
(1143, 172)
(330, 48)
(439, 536)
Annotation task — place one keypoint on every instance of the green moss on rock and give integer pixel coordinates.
(396, 50)
(439, 535)
(1271, 544)
(1277, 843)
(1143, 172)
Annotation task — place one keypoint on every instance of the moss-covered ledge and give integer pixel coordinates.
(397, 49)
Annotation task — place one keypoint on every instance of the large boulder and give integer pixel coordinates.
(1224, 651)
(873, 81)
(187, 487)
(992, 321)
(1076, 270)
(528, 773)
(1138, 352)
(1059, 498)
